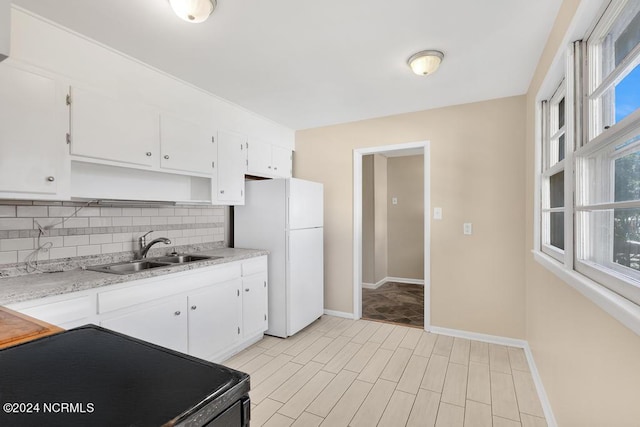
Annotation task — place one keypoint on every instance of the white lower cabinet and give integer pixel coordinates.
(164, 324)
(214, 319)
(204, 312)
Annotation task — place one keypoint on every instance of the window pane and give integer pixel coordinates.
(556, 187)
(561, 148)
(627, 94)
(627, 177)
(626, 243)
(630, 35)
(557, 229)
(561, 114)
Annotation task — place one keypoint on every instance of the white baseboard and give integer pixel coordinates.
(513, 342)
(339, 314)
(392, 279)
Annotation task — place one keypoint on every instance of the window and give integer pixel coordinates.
(590, 168)
(554, 152)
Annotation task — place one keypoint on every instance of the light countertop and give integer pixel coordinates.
(41, 285)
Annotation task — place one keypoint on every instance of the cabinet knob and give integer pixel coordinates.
(177, 313)
(51, 178)
(166, 156)
(269, 167)
(246, 290)
(193, 307)
(275, 168)
(221, 191)
(148, 153)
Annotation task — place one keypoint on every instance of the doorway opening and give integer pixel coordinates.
(391, 233)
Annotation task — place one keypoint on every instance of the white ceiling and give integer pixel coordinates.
(307, 63)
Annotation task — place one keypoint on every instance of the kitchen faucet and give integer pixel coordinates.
(144, 247)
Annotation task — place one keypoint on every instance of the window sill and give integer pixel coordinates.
(618, 307)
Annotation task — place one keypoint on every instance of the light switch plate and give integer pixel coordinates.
(394, 200)
(467, 228)
(437, 213)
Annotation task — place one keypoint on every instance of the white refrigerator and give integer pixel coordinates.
(285, 217)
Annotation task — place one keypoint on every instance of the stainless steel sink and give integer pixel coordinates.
(129, 267)
(183, 258)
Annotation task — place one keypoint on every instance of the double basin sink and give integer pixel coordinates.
(129, 267)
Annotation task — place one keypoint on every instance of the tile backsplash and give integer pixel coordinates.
(70, 229)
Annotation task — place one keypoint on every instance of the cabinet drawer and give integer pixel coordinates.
(254, 266)
(57, 313)
(164, 286)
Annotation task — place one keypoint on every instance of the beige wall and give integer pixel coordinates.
(477, 152)
(381, 217)
(405, 178)
(589, 363)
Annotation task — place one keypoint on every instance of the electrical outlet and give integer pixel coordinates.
(437, 213)
(394, 200)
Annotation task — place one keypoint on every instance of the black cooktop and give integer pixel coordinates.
(90, 376)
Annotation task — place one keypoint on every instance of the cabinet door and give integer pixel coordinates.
(230, 165)
(164, 324)
(281, 162)
(254, 304)
(258, 158)
(103, 127)
(214, 319)
(185, 146)
(32, 132)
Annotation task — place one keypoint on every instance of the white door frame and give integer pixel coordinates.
(357, 223)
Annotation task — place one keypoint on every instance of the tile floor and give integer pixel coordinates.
(340, 372)
(394, 302)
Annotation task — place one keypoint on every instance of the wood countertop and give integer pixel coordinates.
(16, 328)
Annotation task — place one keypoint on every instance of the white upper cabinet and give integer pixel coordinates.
(229, 169)
(107, 128)
(267, 160)
(185, 146)
(32, 135)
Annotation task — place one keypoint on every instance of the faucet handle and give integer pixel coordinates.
(146, 234)
(143, 239)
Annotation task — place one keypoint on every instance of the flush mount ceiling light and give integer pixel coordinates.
(194, 11)
(425, 62)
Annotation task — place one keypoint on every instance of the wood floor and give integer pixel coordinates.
(340, 372)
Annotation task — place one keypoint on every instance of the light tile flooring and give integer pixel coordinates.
(340, 372)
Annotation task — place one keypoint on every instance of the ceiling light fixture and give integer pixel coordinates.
(194, 11)
(425, 62)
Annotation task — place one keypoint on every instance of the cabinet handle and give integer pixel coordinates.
(221, 191)
(177, 313)
(148, 153)
(193, 307)
(51, 178)
(166, 156)
(246, 290)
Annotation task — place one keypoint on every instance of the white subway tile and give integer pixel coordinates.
(100, 221)
(195, 240)
(127, 246)
(76, 240)
(56, 242)
(131, 212)
(47, 222)
(188, 219)
(175, 220)
(122, 237)
(196, 212)
(111, 212)
(16, 244)
(174, 233)
(158, 220)
(189, 232)
(141, 220)
(89, 211)
(7, 211)
(9, 257)
(32, 211)
(181, 212)
(76, 222)
(111, 248)
(16, 223)
(166, 211)
(66, 252)
(150, 211)
(61, 211)
(89, 250)
(97, 239)
(179, 241)
(122, 221)
(43, 255)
